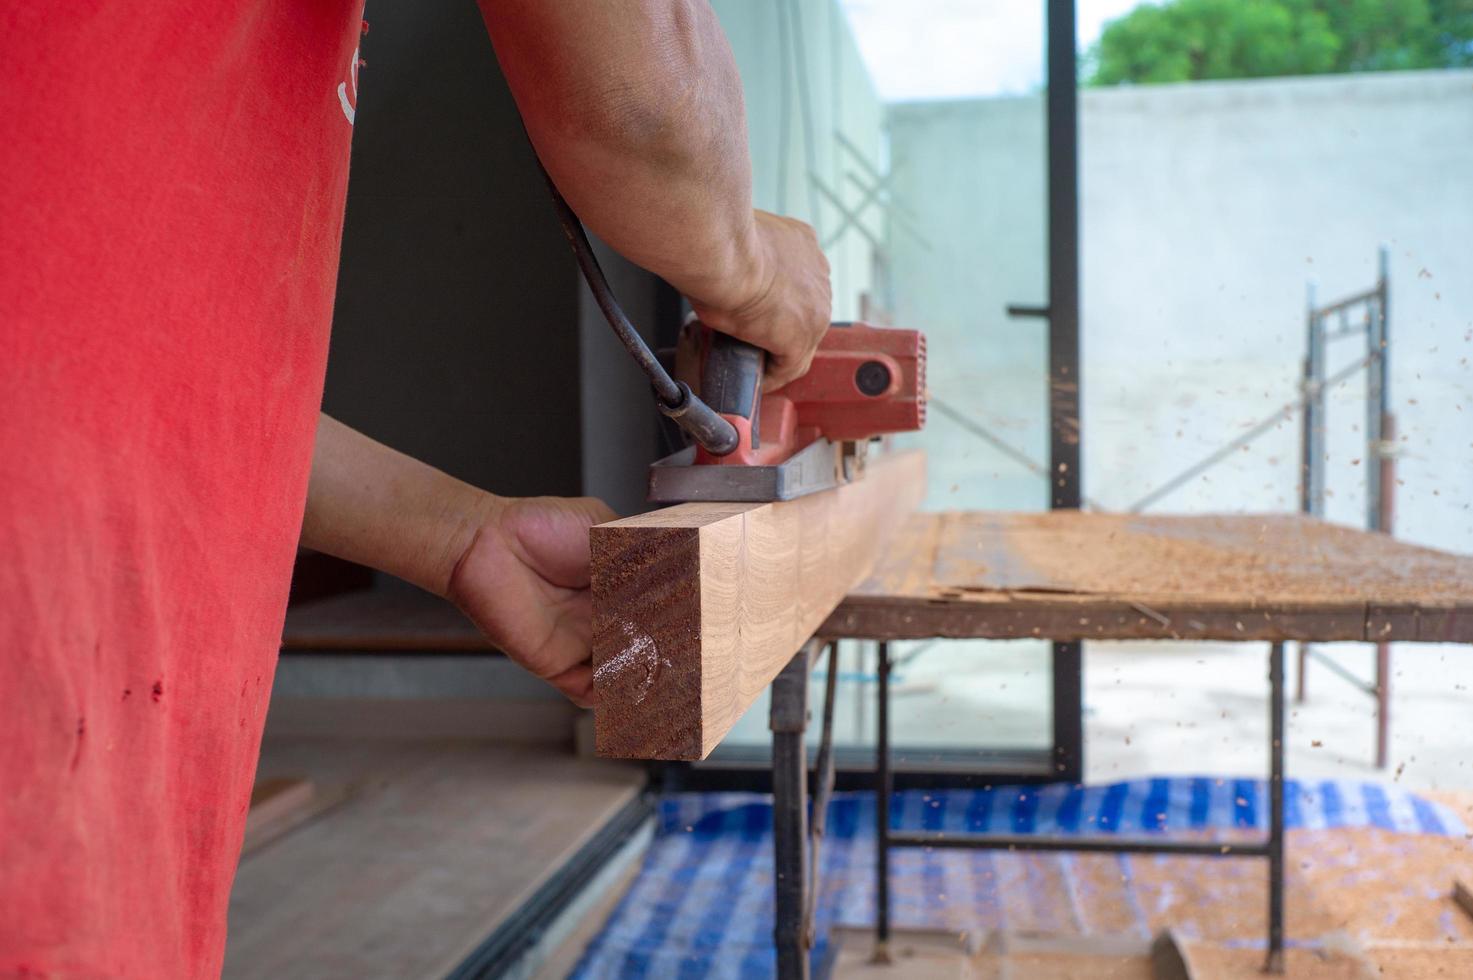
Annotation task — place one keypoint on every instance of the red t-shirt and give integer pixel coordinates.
(172, 178)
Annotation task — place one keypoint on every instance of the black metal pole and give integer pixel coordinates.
(1381, 482)
(882, 811)
(1068, 712)
(1275, 962)
(1066, 485)
(1378, 383)
(1310, 424)
(823, 791)
(1312, 482)
(789, 717)
(1100, 844)
(1063, 255)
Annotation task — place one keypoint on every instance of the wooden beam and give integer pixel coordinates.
(697, 607)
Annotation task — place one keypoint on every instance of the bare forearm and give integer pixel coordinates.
(518, 568)
(635, 107)
(375, 506)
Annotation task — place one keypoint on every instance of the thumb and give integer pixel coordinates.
(551, 533)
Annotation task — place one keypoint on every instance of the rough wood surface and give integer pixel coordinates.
(1070, 575)
(698, 606)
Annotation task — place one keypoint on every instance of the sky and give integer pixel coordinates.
(938, 49)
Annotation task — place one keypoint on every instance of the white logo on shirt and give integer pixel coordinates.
(350, 108)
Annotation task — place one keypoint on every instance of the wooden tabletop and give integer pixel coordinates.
(1062, 576)
(1070, 575)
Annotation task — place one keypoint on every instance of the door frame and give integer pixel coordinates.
(748, 767)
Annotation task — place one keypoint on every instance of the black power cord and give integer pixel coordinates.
(674, 398)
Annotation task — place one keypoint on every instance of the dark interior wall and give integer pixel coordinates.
(456, 330)
(463, 333)
(620, 423)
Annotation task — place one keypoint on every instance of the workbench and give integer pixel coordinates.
(1069, 575)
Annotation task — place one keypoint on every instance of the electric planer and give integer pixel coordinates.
(809, 435)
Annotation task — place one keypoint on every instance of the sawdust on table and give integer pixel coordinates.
(1283, 557)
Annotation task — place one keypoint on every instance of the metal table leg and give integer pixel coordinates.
(1301, 687)
(1383, 703)
(883, 784)
(823, 778)
(1275, 960)
(1273, 847)
(788, 720)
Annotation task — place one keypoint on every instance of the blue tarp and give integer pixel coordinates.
(701, 905)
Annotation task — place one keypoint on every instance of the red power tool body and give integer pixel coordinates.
(807, 436)
(864, 382)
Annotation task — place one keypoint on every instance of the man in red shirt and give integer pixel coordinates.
(170, 215)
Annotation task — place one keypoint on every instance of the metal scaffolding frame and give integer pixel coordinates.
(798, 837)
(1365, 314)
(1361, 315)
(1270, 847)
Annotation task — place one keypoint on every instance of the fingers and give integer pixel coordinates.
(525, 584)
(786, 309)
(782, 370)
(570, 643)
(576, 684)
(790, 365)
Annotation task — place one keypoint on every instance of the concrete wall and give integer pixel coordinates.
(805, 84)
(456, 301)
(972, 173)
(1205, 209)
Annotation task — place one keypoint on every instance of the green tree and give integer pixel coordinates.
(1187, 40)
(1452, 30)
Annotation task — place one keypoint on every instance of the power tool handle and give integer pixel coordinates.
(731, 380)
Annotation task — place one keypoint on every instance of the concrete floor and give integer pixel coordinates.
(434, 845)
(1201, 708)
(1166, 708)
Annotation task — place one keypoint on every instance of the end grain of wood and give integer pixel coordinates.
(697, 607)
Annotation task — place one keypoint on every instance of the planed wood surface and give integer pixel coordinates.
(697, 607)
(1070, 575)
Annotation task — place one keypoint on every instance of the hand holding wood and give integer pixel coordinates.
(523, 580)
